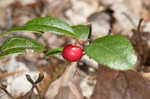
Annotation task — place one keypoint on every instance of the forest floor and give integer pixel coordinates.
(86, 79)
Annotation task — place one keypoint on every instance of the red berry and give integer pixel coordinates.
(72, 53)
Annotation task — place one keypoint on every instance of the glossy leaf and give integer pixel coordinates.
(82, 31)
(19, 45)
(44, 24)
(114, 51)
(23, 29)
(48, 21)
(54, 51)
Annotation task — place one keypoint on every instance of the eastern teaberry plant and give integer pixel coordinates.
(113, 51)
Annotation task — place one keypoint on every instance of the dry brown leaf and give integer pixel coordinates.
(120, 85)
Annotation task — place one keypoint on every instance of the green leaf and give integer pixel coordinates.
(48, 21)
(82, 31)
(44, 24)
(115, 51)
(23, 29)
(19, 45)
(54, 51)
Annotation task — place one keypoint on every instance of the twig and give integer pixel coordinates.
(129, 18)
(54, 78)
(69, 73)
(4, 75)
(34, 84)
(90, 33)
(139, 24)
(3, 87)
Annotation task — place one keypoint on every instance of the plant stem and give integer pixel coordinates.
(54, 78)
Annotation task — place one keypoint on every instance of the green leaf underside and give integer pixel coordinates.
(54, 51)
(82, 31)
(39, 29)
(114, 51)
(19, 45)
